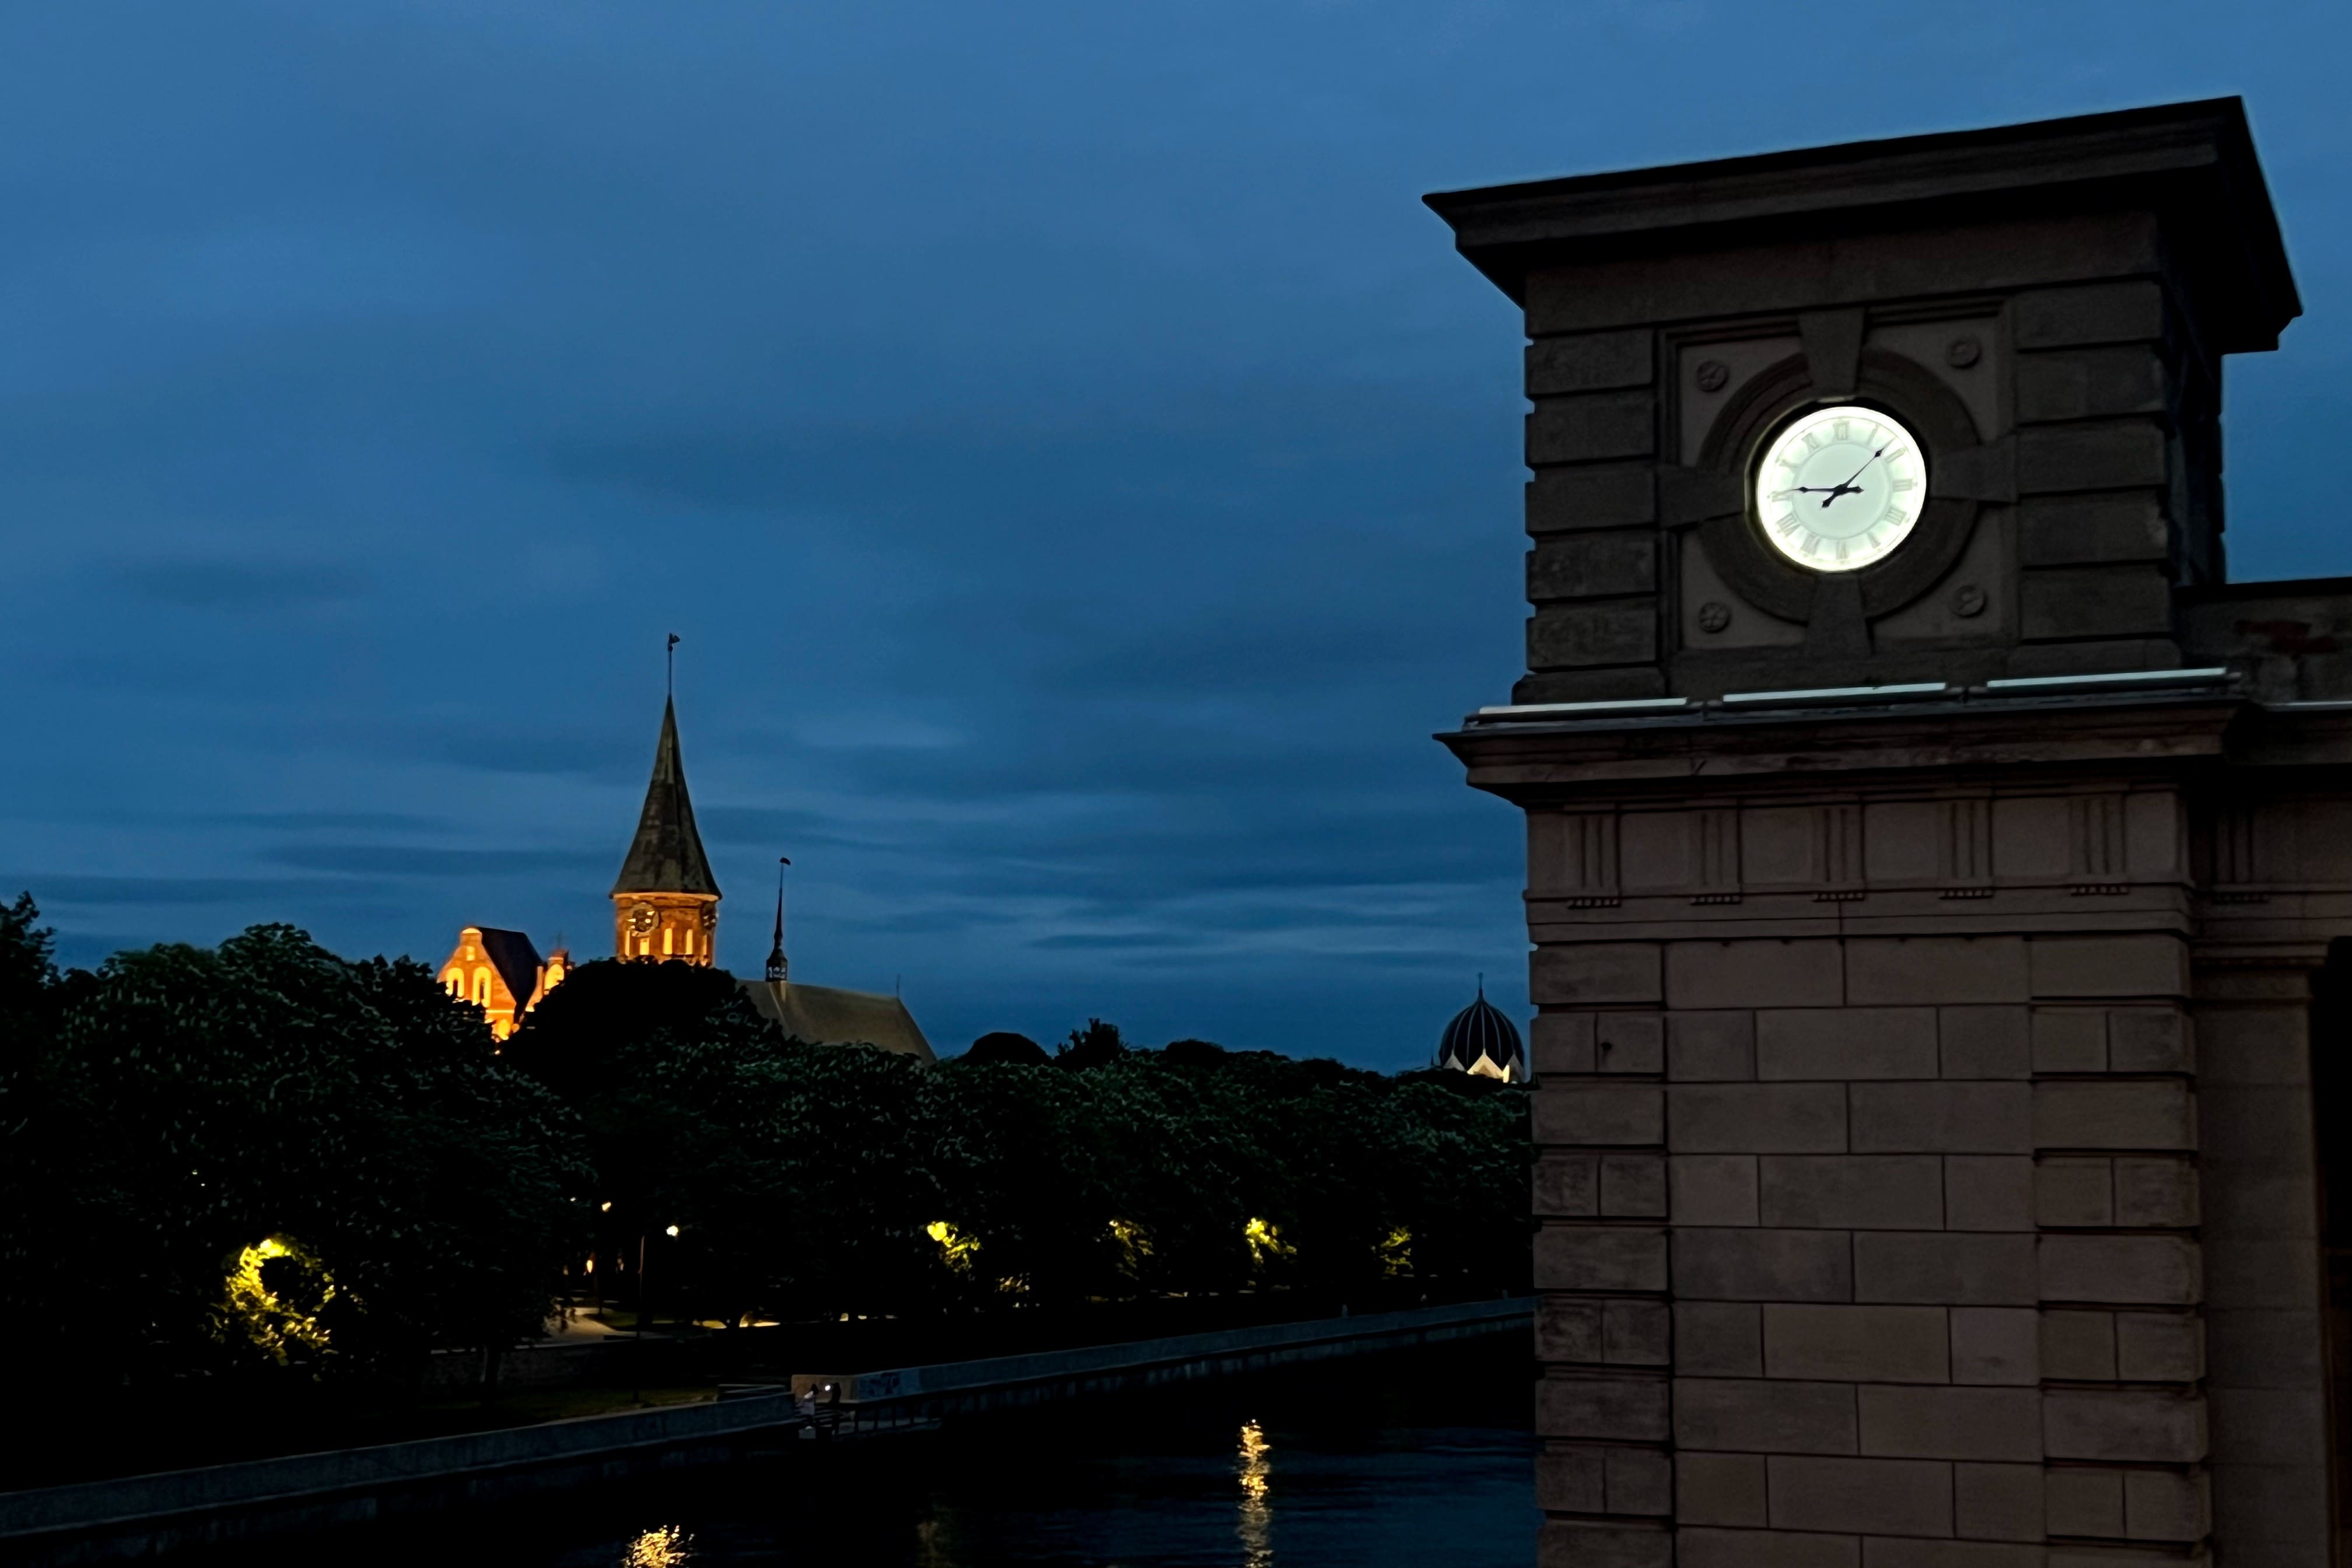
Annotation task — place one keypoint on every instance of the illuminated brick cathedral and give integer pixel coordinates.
(666, 901)
(666, 910)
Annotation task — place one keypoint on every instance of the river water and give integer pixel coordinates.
(1399, 1461)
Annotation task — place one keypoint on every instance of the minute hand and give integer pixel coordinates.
(1849, 487)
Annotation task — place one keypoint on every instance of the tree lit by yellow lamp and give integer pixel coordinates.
(1265, 1244)
(1396, 1253)
(957, 1250)
(275, 1291)
(1134, 1245)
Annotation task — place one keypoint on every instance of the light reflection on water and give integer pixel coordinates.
(1257, 1546)
(664, 1546)
(1406, 1461)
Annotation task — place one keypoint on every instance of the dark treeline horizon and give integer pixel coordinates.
(265, 1156)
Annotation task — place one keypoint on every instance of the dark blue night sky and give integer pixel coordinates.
(1082, 473)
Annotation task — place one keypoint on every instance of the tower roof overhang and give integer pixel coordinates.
(2192, 163)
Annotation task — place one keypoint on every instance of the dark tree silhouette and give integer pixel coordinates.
(1098, 1045)
(1002, 1045)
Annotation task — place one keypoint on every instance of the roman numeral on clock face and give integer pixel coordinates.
(1824, 482)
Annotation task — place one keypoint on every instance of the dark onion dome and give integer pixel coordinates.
(1481, 1040)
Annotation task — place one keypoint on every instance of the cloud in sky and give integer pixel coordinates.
(1081, 470)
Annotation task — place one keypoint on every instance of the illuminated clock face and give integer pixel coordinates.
(709, 917)
(641, 919)
(1839, 488)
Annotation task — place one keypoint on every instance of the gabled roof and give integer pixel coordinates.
(825, 1015)
(517, 961)
(667, 856)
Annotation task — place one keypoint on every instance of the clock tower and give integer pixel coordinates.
(666, 901)
(1939, 873)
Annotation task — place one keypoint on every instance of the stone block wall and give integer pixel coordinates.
(2114, 407)
(1871, 1250)
(1594, 576)
(2265, 1357)
(2096, 417)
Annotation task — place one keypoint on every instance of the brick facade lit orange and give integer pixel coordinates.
(501, 972)
(665, 926)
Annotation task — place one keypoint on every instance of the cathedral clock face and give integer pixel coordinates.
(709, 917)
(642, 919)
(1839, 488)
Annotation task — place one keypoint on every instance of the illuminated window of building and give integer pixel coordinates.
(645, 947)
(482, 986)
(670, 936)
(690, 945)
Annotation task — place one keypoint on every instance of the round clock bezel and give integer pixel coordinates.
(1735, 542)
(1787, 425)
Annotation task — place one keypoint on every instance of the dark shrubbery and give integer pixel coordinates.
(263, 1152)
(340, 1134)
(816, 1180)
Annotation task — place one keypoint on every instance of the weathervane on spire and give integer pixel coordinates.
(670, 680)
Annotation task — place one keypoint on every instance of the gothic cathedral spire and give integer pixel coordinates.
(779, 968)
(666, 901)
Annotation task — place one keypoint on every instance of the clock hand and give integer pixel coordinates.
(1848, 485)
(1831, 492)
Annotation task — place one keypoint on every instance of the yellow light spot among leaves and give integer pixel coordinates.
(1396, 1253)
(1134, 1243)
(956, 1249)
(274, 1294)
(1265, 1244)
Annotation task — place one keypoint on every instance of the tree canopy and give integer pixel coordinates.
(263, 1152)
(810, 1180)
(183, 1115)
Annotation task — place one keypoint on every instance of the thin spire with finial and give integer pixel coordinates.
(669, 677)
(665, 855)
(778, 969)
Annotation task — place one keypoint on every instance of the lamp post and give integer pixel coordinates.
(642, 1297)
(670, 1231)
